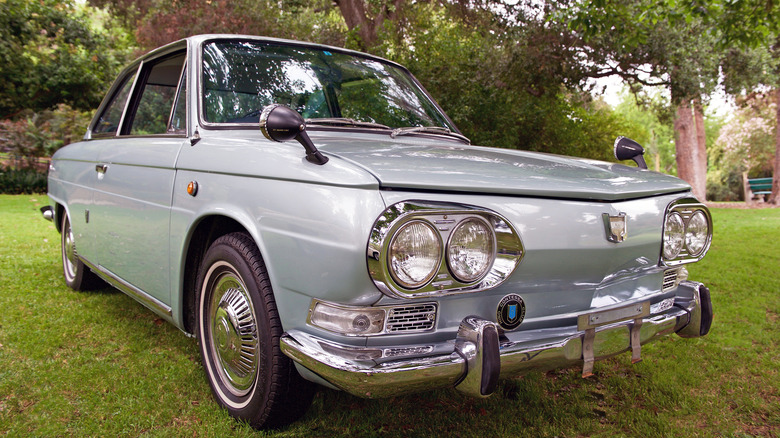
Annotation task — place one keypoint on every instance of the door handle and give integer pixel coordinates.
(101, 168)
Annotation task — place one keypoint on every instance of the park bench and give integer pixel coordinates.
(758, 188)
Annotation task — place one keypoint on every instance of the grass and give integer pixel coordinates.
(99, 364)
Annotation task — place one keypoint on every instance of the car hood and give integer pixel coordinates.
(423, 165)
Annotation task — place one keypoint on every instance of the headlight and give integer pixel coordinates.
(471, 250)
(696, 233)
(674, 230)
(423, 248)
(687, 232)
(414, 254)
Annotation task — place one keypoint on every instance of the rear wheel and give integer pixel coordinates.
(77, 275)
(238, 333)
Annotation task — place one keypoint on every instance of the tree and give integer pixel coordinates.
(51, 52)
(746, 144)
(648, 44)
(156, 23)
(367, 19)
(511, 83)
(754, 62)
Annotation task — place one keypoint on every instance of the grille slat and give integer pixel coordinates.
(411, 318)
(670, 280)
(408, 351)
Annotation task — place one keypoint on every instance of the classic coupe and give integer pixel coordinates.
(312, 216)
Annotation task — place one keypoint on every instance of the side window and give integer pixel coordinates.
(154, 107)
(108, 123)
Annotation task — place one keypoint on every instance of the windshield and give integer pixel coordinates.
(240, 78)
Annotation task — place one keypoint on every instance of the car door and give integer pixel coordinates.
(75, 167)
(136, 174)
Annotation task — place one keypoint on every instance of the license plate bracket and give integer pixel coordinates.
(590, 321)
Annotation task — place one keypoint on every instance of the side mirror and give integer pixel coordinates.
(280, 123)
(627, 149)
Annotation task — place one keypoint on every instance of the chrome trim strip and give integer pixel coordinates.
(686, 207)
(445, 218)
(369, 379)
(142, 297)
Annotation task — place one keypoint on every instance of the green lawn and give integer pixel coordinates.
(99, 364)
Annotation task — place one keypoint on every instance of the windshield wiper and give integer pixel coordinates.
(344, 121)
(428, 130)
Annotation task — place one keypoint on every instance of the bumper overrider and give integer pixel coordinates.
(480, 355)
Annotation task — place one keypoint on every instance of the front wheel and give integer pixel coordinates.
(238, 334)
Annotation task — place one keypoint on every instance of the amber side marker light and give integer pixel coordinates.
(192, 188)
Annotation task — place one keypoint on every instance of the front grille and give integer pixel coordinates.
(416, 318)
(408, 351)
(670, 279)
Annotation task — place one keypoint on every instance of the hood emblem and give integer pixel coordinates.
(615, 227)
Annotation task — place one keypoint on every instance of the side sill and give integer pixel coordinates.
(142, 297)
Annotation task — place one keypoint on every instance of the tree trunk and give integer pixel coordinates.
(355, 13)
(701, 143)
(775, 197)
(687, 147)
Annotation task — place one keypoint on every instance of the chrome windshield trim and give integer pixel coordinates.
(198, 91)
(436, 130)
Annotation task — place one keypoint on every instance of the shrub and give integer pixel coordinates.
(22, 181)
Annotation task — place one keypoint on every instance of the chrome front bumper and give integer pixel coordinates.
(479, 355)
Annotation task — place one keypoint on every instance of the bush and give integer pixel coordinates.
(22, 181)
(35, 135)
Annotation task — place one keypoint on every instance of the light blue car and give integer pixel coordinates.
(311, 215)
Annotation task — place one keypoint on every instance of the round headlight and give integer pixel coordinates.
(674, 231)
(414, 254)
(471, 250)
(696, 233)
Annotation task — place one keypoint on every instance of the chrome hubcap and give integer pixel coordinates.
(234, 335)
(69, 257)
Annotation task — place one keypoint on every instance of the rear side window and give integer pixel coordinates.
(108, 123)
(154, 107)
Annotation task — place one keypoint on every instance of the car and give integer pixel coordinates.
(312, 216)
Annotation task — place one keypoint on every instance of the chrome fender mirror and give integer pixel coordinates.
(280, 123)
(627, 149)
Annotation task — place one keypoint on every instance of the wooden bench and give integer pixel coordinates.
(758, 188)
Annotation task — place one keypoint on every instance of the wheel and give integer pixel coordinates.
(238, 330)
(77, 275)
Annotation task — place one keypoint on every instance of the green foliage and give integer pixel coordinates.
(51, 53)
(647, 128)
(502, 87)
(100, 364)
(647, 44)
(36, 135)
(22, 181)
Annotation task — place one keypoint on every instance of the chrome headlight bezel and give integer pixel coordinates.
(686, 208)
(444, 218)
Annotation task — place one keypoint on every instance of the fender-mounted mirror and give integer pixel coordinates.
(280, 123)
(627, 149)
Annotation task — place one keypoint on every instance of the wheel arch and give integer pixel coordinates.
(202, 234)
(59, 213)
